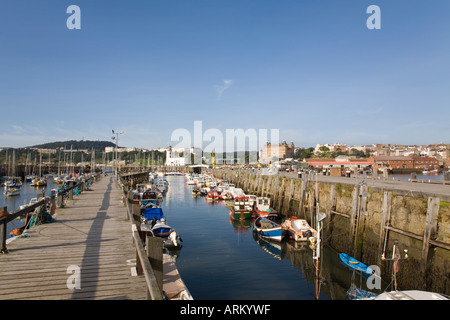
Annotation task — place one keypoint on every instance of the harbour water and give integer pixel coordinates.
(222, 259)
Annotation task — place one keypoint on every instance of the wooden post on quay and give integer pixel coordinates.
(53, 202)
(71, 190)
(353, 215)
(430, 228)
(385, 221)
(331, 207)
(154, 247)
(3, 214)
(360, 223)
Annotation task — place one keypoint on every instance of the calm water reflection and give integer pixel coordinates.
(223, 259)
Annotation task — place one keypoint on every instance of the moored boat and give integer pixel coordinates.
(298, 229)
(212, 196)
(12, 188)
(241, 208)
(226, 195)
(356, 265)
(267, 228)
(407, 295)
(170, 237)
(263, 208)
(196, 191)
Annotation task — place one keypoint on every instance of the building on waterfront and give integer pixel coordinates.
(402, 162)
(276, 152)
(393, 162)
(426, 163)
(339, 165)
(182, 156)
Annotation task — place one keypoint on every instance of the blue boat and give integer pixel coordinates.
(268, 229)
(356, 265)
(170, 237)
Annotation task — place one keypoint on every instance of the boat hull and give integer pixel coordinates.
(298, 230)
(268, 229)
(241, 215)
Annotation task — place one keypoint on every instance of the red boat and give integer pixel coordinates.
(212, 195)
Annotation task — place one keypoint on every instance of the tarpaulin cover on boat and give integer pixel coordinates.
(150, 213)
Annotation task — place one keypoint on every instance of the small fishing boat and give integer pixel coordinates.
(150, 213)
(298, 229)
(356, 265)
(149, 196)
(241, 208)
(430, 171)
(356, 293)
(226, 195)
(162, 185)
(196, 192)
(170, 237)
(407, 295)
(38, 182)
(12, 188)
(212, 196)
(29, 178)
(268, 229)
(263, 208)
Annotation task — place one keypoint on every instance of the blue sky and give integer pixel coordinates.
(311, 69)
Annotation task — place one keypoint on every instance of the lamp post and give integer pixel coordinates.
(115, 151)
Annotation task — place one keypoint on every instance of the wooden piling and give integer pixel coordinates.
(384, 224)
(154, 247)
(430, 228)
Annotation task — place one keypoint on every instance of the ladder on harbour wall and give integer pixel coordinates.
(431, 225)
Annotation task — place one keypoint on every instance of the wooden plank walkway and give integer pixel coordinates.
(92, 233)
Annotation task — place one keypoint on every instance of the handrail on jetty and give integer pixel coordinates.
(55, 199)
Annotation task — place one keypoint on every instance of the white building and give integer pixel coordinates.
(180, 156)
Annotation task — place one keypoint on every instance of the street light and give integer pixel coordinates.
(115, 156)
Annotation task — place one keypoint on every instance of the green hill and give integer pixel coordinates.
(76, 145)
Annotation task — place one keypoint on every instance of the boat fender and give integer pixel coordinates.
(173, 238)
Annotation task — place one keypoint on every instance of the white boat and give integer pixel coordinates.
(298, 229)
(170, 237)
(426, 171)
(12, 188)
(237, 192)
(263, 208)
(162, 185)
(226, 195)
(38, 182)
(408, 295)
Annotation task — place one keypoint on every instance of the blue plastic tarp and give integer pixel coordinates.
(150, 213)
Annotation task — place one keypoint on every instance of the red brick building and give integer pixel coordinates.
(395, 162)
(400, 162)
(426, 163)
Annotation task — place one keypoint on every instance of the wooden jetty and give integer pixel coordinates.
(89, 252)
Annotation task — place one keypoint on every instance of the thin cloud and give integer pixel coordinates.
(220, 89)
